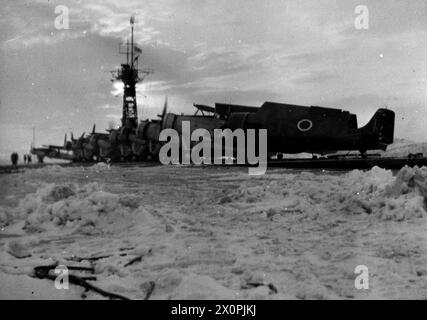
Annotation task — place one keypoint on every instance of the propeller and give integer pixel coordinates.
(164, 112)
(165, 109)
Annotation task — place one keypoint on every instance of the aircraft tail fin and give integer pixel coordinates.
(382, 124)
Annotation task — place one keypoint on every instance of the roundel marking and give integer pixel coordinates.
(304, 125)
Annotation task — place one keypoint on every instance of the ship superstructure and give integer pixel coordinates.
(130, 75)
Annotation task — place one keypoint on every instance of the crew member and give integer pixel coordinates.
(14, 158)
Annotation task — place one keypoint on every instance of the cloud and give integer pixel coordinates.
(110, 107)
(317, 77)
(114, 116)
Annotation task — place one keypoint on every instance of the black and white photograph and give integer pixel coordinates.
(221, 150)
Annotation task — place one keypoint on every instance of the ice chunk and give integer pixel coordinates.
(18, 249)
(77, 208)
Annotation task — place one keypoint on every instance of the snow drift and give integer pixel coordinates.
(71, 208)
(375, 192)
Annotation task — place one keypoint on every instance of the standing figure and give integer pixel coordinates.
(25, 158)
(14, 158)
(29, 158)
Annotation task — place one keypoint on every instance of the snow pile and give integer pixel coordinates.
(18, 249)
(100, 167)
(390, 198)
(406, 197)
(402, 148)
(375, 192)
(71, 208)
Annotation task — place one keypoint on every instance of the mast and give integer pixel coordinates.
(132, 22)
(130, 76)
(127, 51)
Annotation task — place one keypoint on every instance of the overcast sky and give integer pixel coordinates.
(238, 51)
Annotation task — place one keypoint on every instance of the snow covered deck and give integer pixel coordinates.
(215, 232)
